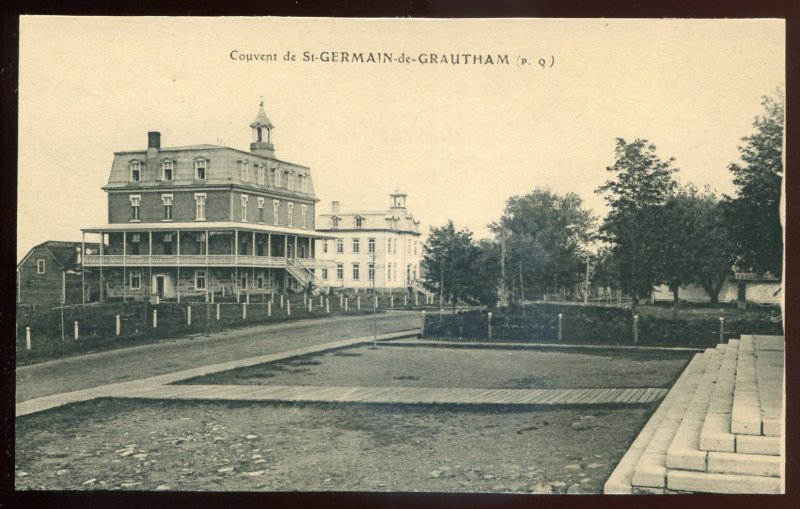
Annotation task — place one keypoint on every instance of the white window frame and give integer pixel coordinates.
(290, 214)
(167, 165)
(356, 245)
(261, 216)
(303, 216)
(136, 203)
(201, 164)
(41, 266)
(335, 222)
(135, 168)
(273, 176)
(261, 172)
(356, 271)
(339, 246)
(370, 272)
(370, 245)
(324, 246)
(199, 206)
(324, 273)
(358, 222)
(244, 199)
(166, 199)
(244, 171)
(276, 210)
(200, 275)
(340, 271)
(135, 275)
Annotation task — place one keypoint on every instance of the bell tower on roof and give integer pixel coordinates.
(262, 134)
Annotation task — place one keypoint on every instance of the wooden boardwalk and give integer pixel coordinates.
(399, 395)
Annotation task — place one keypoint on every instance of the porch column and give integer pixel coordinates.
(295, 247)
(236, 244)
(207, 235)
(269, 245)
(286, 246)
(254, 246)
(178, 236)
(124, 266)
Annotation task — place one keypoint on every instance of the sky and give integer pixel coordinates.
(458, 139)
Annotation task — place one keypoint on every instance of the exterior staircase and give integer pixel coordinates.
(720, 429)
(304, 275)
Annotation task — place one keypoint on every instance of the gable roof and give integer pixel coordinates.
(64, 252)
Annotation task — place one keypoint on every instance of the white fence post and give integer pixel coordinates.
(281, 301)
(489, 321)
(244, 310)
(155, 318)
(391, 301)
(310, 305)
(560, 325)
(416, 298)
(269, 308)
(217, 312)
(288, 308)
(28, 338)
(405, 299)
(118, 325)
(327, 306)
(721, 329)
(636, 329)
(188, 315)
(76, 331)
(376, 301)
(422, 335)
(345, 304)
(358, 302)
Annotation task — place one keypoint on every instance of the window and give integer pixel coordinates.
(261, 174)
(167, 242)
(303, 210)
(388, 246)
(135, 202)
(304, 183)
(286, 177)
(261, 210)
(260, 282)
(356, 270)
(289, 214)
(200, 206)
(356, 246)
(167, 200)
(201, 243)
(340, 271)
(339, 246)
(244, 173)
(389, 271)
(135, 279)
(276, 205)
(273, 176)
(408, 246)
(243, 282)
(335, 222)
(325, 274)
(136, 171)
(371, 245)
(359, 221)
(200, 279)
(167, 170)
(415, 247)
(244, 207)
(133, 246)
(371, 272)
(324, 246)
(40, 267)
(200, 169)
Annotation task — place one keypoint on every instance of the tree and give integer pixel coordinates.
(694, 245)
(457, 267)
(545, 236)
(754, 213)
(642, 182)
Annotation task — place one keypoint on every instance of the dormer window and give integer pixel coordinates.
(287, 179)
(359, 222)
(244, 172)
(135, 171)
(167, 170)
(335, 222)
(261, 174)
(200, 169)
(273, 176)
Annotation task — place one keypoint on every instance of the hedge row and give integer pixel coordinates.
(97, 323)
(596, 325)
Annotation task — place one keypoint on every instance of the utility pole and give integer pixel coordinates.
(586, 284)
(521, 289)
(63, 299)
(374, 304)
(503, 295)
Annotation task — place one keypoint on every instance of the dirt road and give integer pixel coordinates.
(54, 377)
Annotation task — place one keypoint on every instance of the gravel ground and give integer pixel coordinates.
(145, 445)
(413, 366)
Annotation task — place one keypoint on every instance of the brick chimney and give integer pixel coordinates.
(153, 146)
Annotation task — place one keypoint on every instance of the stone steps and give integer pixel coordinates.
(718, 430)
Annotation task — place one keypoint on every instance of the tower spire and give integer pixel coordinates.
(262, 133)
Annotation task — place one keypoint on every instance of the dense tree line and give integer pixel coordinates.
(656, 231)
